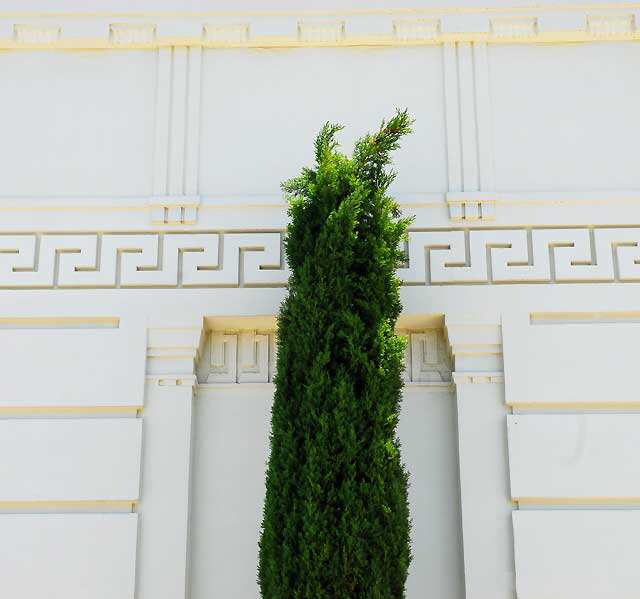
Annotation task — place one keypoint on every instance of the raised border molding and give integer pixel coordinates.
(391, 27)
(494, 256)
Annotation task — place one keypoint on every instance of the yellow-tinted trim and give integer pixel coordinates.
(534, 317)
(68, 409)
(284, 13)
(569, 500)
(576, 404)
(543, 37)
(61, 321)
(69, 504)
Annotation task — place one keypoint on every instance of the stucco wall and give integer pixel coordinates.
(141, 271)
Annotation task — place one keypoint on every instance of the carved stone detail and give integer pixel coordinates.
(321, 31)
(514, 27)
(454, 257)
(416, 29)
(37, 34)
(611, 25)
(239, 357)
(220, 33)
(426, 357)
(124, 34)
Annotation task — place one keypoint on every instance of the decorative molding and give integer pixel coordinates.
(172, 354)
(40, 35)
(126, 34)
(175, 199)
(174, 210)
(239, 357)
(475, 378)
(477, 351)
(426, 358)
(407, 30)
(513, 27)
(543, 318)
(500, 256)
(225, 33)
(611, 26)
(23, 410)
(440, 257)
(142, 260)
(468, 128)
(463, 208)
(390, 27)
(250, 357)
(326, 32)
(173, 380)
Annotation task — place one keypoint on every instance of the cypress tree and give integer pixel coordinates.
(336, 518)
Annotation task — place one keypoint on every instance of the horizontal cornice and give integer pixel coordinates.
(345, 28)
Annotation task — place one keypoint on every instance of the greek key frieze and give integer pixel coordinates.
(452, 257)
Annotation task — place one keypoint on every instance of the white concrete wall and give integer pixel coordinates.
(141, 269)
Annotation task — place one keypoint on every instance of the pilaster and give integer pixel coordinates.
(165, 502)
(478, 376)
(175, 198)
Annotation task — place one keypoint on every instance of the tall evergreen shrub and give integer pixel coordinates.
(336, 518)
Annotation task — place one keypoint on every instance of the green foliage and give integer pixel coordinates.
(336, 518)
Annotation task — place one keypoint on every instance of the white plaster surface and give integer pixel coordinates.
(68, 556)
(70, 459)
(585, 554)
(142, 185)
(98, 367)
(579, 362)
(574, 455)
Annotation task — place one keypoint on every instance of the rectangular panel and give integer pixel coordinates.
(228, 494)
(284, 98)
(577, 554)
(564, 115)
(77, 123)
(574, 364)
(577, 455)
(79, 367)
(68, 556)
(427, 431)
(80, 459)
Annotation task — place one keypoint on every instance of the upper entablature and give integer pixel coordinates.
(302, 28)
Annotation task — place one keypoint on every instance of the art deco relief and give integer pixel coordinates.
(454, 257)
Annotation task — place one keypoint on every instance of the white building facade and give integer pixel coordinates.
(141, 272)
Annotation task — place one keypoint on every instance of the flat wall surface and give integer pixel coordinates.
(74, 555)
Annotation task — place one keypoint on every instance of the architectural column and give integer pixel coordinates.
(484, 470)
(163, 548)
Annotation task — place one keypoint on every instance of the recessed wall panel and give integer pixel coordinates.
(231, 449)
(68, 556)
(577, 364)
(81, 367)
(428, 433)
(230, 455)
(77, 123)
(564, 115)
(574, 455)
(263, 108)
(584, 554)
(70, 460)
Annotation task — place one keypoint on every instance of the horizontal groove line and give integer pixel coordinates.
(380, 40)
(628, 316)
(68, 409)
(564, 500)
(62, 322)
(69, 504)
(380, 11)
(577, 404)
